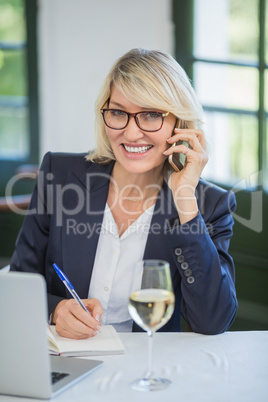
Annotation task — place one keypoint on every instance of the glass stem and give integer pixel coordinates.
(150, 354)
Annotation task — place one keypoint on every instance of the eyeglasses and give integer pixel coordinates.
(147, 121)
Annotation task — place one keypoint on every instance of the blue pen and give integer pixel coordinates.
(69, 286)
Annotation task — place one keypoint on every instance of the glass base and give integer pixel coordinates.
(150, 384)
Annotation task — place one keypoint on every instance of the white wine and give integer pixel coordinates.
(151, 308)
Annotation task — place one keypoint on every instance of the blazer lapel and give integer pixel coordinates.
(80, 232)
(157, 245)
(165, 217)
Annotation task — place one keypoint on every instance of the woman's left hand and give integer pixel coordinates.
(184, 182)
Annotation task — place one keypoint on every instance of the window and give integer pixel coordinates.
(18, 87)
(223, 46)
(13, 97)
(226, 55)
(18, 107)
(229, 51)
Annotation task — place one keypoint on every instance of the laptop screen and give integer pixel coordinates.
(25, 364)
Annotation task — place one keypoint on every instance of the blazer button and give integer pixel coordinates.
(184, 265)
(178, 251)
(180, 258)
(190, 279)
(188, 272)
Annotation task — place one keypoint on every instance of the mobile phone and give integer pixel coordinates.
(177, 160)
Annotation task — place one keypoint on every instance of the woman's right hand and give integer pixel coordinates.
(73, 322)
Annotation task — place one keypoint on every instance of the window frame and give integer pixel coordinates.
(9, 166)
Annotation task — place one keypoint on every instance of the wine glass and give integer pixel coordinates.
(151, 306)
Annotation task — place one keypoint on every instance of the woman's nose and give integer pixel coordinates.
(132, 131)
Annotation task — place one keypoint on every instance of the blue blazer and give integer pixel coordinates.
(70, 196)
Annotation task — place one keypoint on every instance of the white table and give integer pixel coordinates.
(228, 367)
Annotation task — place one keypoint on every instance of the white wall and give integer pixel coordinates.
(78, 42)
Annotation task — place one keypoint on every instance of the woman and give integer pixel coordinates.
(98, 216)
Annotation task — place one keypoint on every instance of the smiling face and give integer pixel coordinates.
(138, 151)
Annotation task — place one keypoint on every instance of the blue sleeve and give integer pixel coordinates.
(207, 272)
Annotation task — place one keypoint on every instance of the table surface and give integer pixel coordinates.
(229, 367)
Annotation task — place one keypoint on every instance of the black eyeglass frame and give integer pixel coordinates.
(129, 115)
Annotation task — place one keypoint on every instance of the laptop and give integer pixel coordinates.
(25, 365)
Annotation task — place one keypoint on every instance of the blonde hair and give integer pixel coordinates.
(148, 78)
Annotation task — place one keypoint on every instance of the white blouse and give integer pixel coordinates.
(117, 272)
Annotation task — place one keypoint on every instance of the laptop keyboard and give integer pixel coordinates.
(55, 376)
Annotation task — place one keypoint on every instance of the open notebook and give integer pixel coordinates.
(106, 342)
(25, 365)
